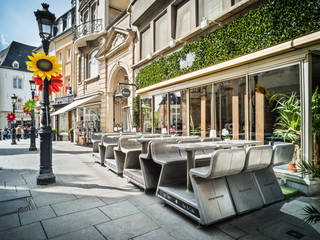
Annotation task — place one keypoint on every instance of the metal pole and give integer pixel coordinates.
(46, 175)
(32, 137)
(13, 127)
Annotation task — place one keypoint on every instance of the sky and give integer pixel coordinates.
(18, 23)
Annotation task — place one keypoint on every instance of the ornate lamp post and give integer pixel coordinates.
(13, 127)
(45, 21)
(33, 130)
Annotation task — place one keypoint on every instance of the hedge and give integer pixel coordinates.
(273, 22)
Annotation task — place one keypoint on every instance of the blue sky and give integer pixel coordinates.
(18, 23)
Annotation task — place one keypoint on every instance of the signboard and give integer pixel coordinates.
(125, 92)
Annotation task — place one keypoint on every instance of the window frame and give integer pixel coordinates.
(175, 18)
(165, 12)
(91, 59)
(148, 27)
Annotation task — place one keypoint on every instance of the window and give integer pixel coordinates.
(93, 12)
(178, 111)
(146, 43)
(183, 19)
(60, 28)
(209, 9)
(15, 64)
(233, 2)
(146, 116)
(161, 32)
(93, 65)
(17, 83)
(79, 69)
(69, 55)
(160, 120)
(60, 58)
(69, 20)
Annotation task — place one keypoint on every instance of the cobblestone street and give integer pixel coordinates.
(89, 202)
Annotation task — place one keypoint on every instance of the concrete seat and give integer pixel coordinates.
(266, 179)
(96, 139)
(210, 187)
(106, 147)
(125, 152)
(243, 188)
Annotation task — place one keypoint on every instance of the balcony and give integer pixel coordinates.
(88, 28)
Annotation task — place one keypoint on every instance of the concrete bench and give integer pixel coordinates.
(126, 150)
(244, 191)
(108, 143)
(266, 179)
(96, 139)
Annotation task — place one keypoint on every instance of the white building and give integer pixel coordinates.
(14, 78)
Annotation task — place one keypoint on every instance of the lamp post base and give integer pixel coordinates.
(46, 178)
(33, 149)
(13, 143)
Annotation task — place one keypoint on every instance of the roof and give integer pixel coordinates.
(15, 52)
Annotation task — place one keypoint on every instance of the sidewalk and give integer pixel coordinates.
(89, 202)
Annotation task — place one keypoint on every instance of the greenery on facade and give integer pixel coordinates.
(273, 22)
(136, 112)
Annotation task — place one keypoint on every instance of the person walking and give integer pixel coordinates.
(4, 134)
(18, 132)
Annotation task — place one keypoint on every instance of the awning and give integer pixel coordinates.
(74, 104)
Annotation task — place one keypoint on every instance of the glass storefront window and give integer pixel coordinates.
(262, 87)
(146, 114)
(63, 122)
(92, 118)
(160, 114)
(178, 113)
(229, 114)
(195, 111)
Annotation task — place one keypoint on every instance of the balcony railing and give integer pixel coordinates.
(88, 28)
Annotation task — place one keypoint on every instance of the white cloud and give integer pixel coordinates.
(4, 41)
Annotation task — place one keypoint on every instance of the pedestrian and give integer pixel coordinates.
(18, 132)
(4, 134)
(8, 133)
(0, 134)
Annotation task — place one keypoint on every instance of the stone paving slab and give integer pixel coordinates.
(7, 195)
(127, 227)
(73, 222)
(118, 210)
(32, 231)
(89, 233)
(9, 221)
(13, 206)
(77, 205)
(231, 230)
(47, 198)
(158, 234)
(36, 215)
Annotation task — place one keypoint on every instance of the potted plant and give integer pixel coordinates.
(71, 131)
(54, 134)
(288, 122)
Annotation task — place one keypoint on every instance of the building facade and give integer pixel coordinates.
(104, 47)
(225, 61)
(14, 78)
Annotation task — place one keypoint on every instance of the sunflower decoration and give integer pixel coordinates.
(11, 117)
(262, 89)
(55, 84)
(29, 105)
(44, 66)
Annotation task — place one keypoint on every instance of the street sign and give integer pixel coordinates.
(125, 92)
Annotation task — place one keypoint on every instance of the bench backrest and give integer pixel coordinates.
(126, 145)
(97, 136)
(258, 157)
(163, 152)
(226, 162)
(106, 139)
(282, 153)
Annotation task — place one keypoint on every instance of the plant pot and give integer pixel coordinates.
(292, 167)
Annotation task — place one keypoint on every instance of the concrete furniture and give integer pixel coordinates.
(96, 139)
(266, 180)
(210, 201)
(106, 146)
(243, 188)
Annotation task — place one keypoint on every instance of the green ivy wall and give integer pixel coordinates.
(272, 23)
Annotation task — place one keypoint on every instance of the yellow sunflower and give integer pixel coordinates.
(262, 89)
(44, 66)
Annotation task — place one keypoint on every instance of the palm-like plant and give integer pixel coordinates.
(312, 214)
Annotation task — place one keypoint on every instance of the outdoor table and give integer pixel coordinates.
(190, 148)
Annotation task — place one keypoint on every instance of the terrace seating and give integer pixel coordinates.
(210, 187)
(126, 151)
(96, 139)
(244, 191)
(106, 147)
(149, 169)
(266, 179)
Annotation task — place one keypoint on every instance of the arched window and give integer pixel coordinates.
(15, 64)
(93, 64)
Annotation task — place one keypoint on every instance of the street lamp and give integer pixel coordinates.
(33, 135)
(13, 127)
(45, 21)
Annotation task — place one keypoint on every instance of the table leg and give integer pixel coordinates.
(190, 164)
